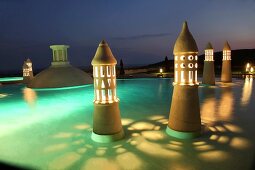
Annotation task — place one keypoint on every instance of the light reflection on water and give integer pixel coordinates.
(225, 109)
(217, 102)
(25, 106)
(29, 96)
(223, 100)
(59, 128)
(208, 108)
(247, 90)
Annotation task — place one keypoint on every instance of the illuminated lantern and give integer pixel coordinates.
(252, 69)
(107, 125)
(208, 72)
(184, 120)
(27, 71)
(226, 73)
(161, 70)
(247, 90)
(247, 67)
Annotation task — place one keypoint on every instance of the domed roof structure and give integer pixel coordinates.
(226, 46)
(185, 42)
(60, 73)
(103, 55)
(209, 46)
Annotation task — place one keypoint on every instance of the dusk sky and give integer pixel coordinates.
(138, 31)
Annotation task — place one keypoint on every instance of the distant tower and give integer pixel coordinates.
(107, 125)
(208, 72)
(60, 57)
(226, 73)
(27, 71)
(184, 120)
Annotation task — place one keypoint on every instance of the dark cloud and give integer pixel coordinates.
(143, 36)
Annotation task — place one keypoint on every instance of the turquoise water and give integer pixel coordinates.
(51, 129)
(24, 106)
(9, 79)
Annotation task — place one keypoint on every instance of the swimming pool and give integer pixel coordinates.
(51, 129)
(10, 79)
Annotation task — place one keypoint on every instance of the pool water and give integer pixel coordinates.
(50, 129)
(10, 79)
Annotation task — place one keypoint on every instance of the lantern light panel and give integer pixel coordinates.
(105, 83)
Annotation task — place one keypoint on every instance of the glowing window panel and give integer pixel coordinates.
(182, 57)
(113, 71)
(109, 82)
(208, 55)
(108, 68)
(182, 65)
(176, 65)
(109, 94)
(101, 71)
(103, 85)
(176, 76)
(96, 71)
(191, 65)
(226, 55)
(25, 74)
(97, 94)
(182, 77)
(211, 55)
(97, 82)
(190, 76)
(196, 57)
(190, 57)
(103, 95)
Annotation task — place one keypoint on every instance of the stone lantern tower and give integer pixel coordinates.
(184, 120)
(226, 73)
(107, 125)
(27, 71)
(208, 72)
